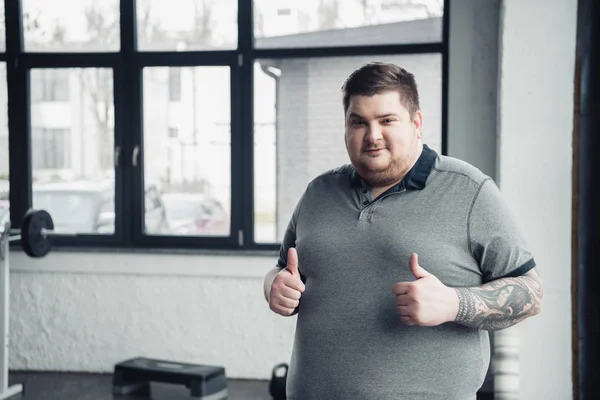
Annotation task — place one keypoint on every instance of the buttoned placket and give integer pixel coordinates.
(368, 205)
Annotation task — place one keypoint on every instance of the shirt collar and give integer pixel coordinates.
(416, 178)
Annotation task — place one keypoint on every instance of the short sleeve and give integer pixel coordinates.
(495, 239)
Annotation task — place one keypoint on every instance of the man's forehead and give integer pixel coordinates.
(380, 104)
(385, 97)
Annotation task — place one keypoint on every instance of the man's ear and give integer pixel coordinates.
(417, 121)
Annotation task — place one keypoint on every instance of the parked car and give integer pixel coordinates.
(196, 214)
(89, 207)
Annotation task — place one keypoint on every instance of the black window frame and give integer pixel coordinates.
(127, 65)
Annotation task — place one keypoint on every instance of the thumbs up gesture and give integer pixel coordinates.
(287, 287)
(425, 301)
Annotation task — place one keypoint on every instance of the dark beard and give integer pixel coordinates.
(392, 174)
(388, 176)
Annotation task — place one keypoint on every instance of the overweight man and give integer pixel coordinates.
(398, 264)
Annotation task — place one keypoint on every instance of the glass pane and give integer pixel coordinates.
(299, 118)
(191, 25)
(71, 26)
(72, 146)
(187, 156)
(2, 28)
(4, 159)
(321, 23)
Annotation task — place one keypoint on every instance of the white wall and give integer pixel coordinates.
(86, 312)
(534, 149)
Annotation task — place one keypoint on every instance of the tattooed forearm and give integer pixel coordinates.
(500, 303)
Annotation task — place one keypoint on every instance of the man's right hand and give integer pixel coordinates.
(287, 287)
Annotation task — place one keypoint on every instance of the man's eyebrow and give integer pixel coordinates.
(355, 115)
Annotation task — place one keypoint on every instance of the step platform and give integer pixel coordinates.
(205, 382)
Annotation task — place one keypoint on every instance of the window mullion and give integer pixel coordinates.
(127, 132)
(18, 116)
(246, 103)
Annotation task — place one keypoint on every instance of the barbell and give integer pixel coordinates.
(35, 234)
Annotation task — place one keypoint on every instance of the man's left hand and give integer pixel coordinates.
(425, 301)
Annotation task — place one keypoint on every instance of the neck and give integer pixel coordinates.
(379, 189)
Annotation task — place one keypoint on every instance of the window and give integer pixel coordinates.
(190, 25)
(194, 126)
(51, 148)
(173, 133)
(71, 26)
(72, 148)
(174, 84)
(4, 154)
(50, 85)
(2, 29)
(334, 23)
(194, 166)
(105, 220)
(77, 134)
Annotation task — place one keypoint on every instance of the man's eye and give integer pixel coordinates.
(388, 121)
(356, 123)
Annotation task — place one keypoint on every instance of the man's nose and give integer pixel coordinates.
(373, 133)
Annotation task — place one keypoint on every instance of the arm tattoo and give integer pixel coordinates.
(501, 303)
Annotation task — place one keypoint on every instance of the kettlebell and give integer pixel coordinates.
(278, 381)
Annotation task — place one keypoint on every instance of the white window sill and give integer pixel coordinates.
(210, 265)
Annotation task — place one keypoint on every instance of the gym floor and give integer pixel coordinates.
(78, 386)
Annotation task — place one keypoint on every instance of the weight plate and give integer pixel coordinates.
(25, 228)
(277, 386)
(34, 244)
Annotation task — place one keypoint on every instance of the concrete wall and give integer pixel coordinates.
(535, 150)
(80, 311)
(473, 85)
(472, 102)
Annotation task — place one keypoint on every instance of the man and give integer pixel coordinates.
(399, 264)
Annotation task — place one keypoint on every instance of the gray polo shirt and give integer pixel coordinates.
(349, 341)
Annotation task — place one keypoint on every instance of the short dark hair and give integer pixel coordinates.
(378, 77)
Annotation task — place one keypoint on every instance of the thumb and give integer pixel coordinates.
(292, 261)
(415, 268)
